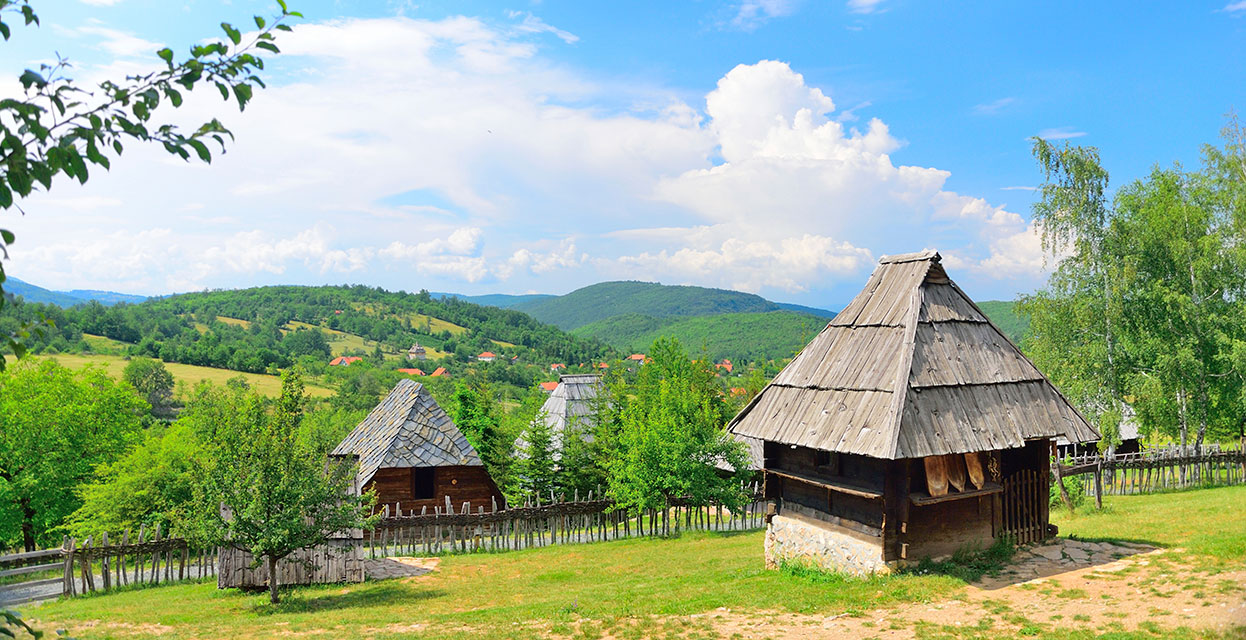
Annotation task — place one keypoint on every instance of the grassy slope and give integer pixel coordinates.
(607, 299)
(1004, 315)
(188, 373)
(747, 336)
(521, 593)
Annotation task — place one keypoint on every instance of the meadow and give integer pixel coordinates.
(678, 587)
(188, 373)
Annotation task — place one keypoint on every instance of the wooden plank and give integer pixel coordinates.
(955, 465)
(936, 475)
(973, 467)
(834, 485)
(50, 566)
(26, 556)
(922, 500)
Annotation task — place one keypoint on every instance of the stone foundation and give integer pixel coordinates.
(806, 540)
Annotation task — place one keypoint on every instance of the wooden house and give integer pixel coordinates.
(410, 452)
(417, 352)
(909, 427)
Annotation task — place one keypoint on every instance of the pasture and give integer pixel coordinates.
(710, 585)
(188, 373)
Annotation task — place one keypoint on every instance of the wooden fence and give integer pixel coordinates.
(1149, 472)
(534, 524)
(1025, 504)
(103, 564)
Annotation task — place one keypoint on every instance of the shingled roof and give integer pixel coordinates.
(407, 429)
(570, 403)
(910, 368)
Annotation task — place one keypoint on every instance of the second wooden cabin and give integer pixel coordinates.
(910, 427)
(412, 454)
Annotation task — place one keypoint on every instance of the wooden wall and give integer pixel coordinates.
(462, 484)
(338, 560)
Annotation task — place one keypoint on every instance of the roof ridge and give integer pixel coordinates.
(904, 371)
(916, 256)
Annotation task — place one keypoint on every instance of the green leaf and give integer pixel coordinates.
(223, 89)
(201, 149)
(268, 46)
(7, 236)
(235, 35)
(282, 4)
(259, 22)
(174, 96)
(29, 78)
(243, 93)
(6, 199)
(284, 27)
(4, 30)
(166, 54)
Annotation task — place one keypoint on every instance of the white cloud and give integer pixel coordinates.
(1018, 188)
(993, 107)
(1060, 133)
(120, 43)
(753, 13)
(863, 6)
(1233, 7)
(533, 24)
(100, 3)
(478, 161)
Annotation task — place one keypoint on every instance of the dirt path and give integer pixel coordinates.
(1065, 585)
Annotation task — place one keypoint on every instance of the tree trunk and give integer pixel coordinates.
(272, 580)
(28, 523)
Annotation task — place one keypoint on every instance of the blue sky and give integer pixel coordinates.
(774, 146)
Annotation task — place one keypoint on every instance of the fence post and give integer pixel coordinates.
(1099, 484)
(67, 550)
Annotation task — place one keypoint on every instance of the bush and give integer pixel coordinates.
(1076, 487)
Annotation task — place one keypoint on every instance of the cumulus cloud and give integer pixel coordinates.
(993, 107)
(478, 161)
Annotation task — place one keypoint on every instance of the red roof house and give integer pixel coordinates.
(412, 372)
(441, 371)
(556, 367)
(342, 361)
(487, 356)
(725, 365)
(549, 386)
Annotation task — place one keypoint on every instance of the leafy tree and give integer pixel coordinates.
(477, 415)
(670, 435)
(152, 380)
(263, 487)
(1145, 304)
(56, 426)
(151, 484)
(537, 470)
(59, 126)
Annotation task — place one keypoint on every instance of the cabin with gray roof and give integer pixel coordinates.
(909, 427)
(571, 405)
(410, 452)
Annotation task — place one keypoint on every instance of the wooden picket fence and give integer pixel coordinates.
(1150, 472)
(538, 524)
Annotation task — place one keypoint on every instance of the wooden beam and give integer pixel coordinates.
(833, 485)
(921, 500)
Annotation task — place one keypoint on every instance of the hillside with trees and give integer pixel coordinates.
(741, 337)
(609, 299)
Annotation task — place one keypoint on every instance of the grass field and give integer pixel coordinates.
(341, 342)
(633, 589)
(188, 373)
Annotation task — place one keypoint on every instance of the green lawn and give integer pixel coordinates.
(1208, 523)
(629, 588)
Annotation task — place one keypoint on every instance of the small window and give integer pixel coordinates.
(422, 483)
(826, 462)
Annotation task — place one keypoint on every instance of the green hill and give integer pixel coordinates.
(609, 299)
(1004, 314)
(34, 293)
(742, 337)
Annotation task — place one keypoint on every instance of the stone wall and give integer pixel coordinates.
(797, 538)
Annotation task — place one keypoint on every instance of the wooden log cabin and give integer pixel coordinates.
(410, 452)
(909, 427)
